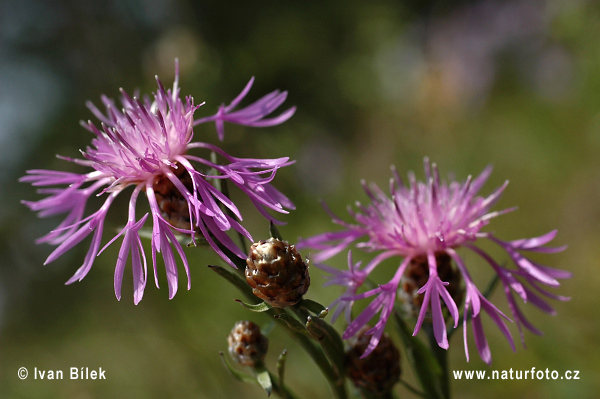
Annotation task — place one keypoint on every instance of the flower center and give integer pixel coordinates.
(417, 274)
(172, 204)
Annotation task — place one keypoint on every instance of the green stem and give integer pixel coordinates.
(441, 356)
(331, 345)
(241, 237)
(412, 389)
(271, 384)
(239, 281)
(281, 390)
(307, 344)
(319, 358)
(221, 185)
(332, 375)
(420, 356)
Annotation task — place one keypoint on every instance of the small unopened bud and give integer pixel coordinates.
(277, 273)
(247, 345)
(380, 370)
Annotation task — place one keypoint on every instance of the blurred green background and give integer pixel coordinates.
(515, 84)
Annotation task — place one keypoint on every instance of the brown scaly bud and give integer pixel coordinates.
(380, 370)
(277, 273)
(247, 345)
(417, 274)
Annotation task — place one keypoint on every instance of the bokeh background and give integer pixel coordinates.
(515, 84)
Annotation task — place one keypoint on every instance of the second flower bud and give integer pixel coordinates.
(277, 273)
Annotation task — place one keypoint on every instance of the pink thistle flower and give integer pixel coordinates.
(424, 224)
(147, 144)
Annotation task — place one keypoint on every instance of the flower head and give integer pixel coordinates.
(277, 273)
(424, 224)
(146, 144)
(246, 344)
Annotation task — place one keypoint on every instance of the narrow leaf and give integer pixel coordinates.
(315, 307)
(264, 380)
(259, 308)
(235, 279)
(281, 367)
(330, 341)
(291, 322)
(235, 373)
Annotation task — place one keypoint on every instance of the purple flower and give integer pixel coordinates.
(147, 145)
(425, 224)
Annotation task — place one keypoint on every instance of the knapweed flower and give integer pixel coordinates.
(425, 224)
(146, 144)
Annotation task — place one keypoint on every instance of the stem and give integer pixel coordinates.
(271, 383)
(441, 356)
(281, 390)
(319, 358)
(330, 345)
(421, 358)
(241, 237)
(221, 185)
(412, 389)
(307, 344)
(332, 375)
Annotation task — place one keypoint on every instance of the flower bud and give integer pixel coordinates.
(247, 345)
(277, 273)
(380, 370)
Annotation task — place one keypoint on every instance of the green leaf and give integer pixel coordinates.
(259, 308)
(264, 380)
(281, 367)
(292, 323)
(330, 341)
(237, 374)
(234, 278)
(315, 307)
(298, 331)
